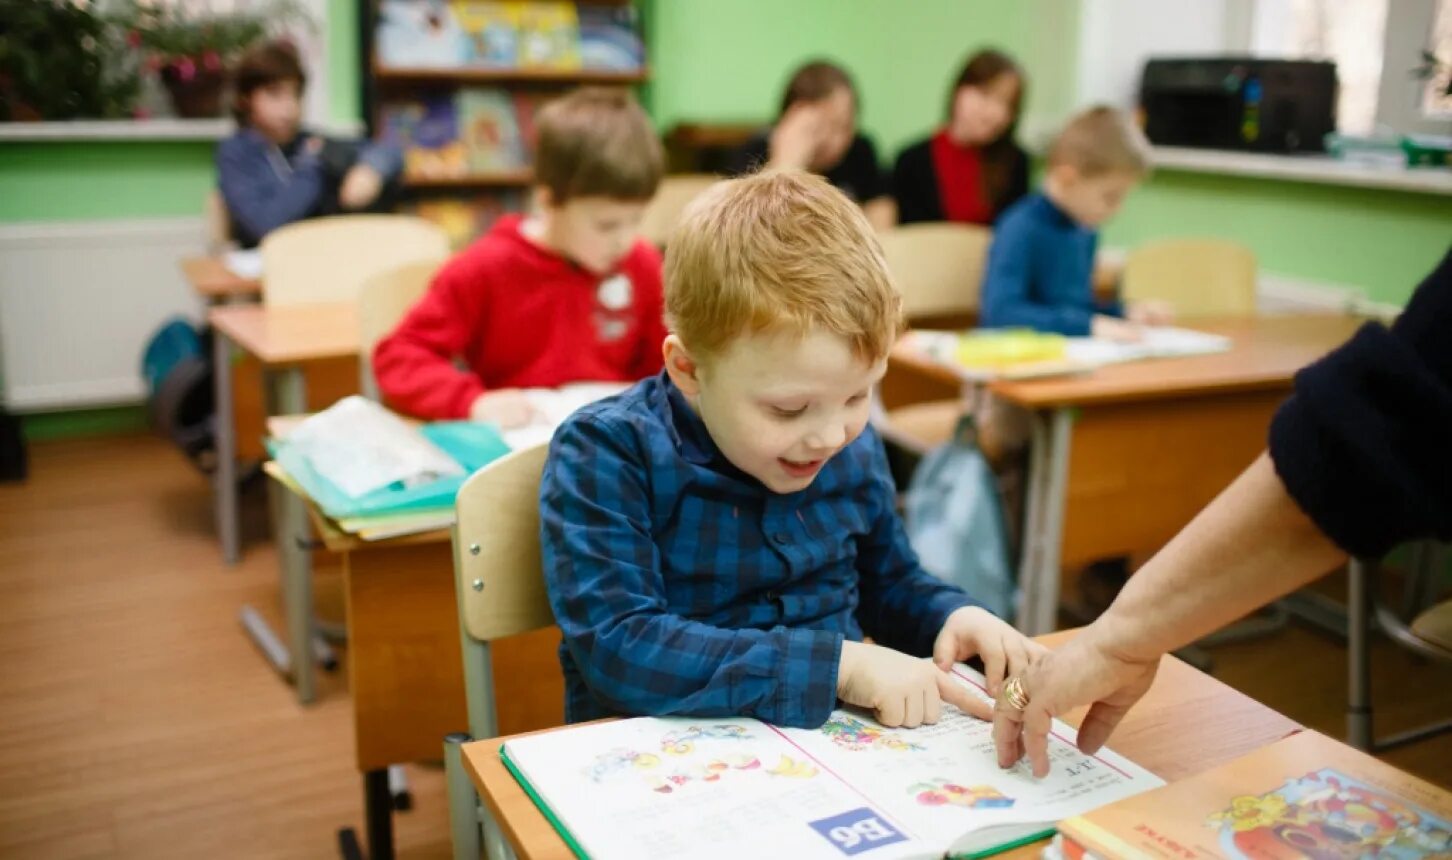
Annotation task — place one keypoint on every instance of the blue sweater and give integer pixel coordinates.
(1040, 271)
(266, 186)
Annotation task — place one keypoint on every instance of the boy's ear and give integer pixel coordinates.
(543, 198)
(1065, 175)
(682, 368)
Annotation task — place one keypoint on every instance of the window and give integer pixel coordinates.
(1437, 96)
(1350, 33)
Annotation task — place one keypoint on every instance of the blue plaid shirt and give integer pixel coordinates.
(684, 586)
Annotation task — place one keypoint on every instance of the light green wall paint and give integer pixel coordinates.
(1383, 242)
(714, 61)
(342, 36)
(80, 180)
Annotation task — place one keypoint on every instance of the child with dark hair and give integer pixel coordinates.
(273, 172)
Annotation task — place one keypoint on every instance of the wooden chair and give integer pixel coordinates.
(1428, 634)
(219, 223)
(501, 593)
(328, 259)
(670, 200)
(383, 300)
(1199, 277)
(938, 268)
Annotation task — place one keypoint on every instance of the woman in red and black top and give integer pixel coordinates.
(971, 169)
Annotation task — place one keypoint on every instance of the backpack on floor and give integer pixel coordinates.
(955, 523)
(177, 368)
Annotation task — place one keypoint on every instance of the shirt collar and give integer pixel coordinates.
(685, 428)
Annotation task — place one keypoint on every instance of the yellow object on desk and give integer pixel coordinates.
(1000, 350)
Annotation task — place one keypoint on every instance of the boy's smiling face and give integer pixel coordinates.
(778, 406)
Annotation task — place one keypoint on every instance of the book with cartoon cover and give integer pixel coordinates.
(490, 31)
(426, 130)
(490, 131)
(549, 35)
(737, 787)
(1305, 797)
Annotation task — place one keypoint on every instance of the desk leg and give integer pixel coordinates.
(290, 398)
(378, 814)
(1044, 528)
(224, 478)
(1359, 609)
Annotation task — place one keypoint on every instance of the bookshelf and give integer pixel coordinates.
(425, 81)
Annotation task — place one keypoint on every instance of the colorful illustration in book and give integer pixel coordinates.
(419, 34)
(945, 792)
(426, 129)
(549, 35)
(491, 31)
(682, 742)
(850, 733)
(1326, 815)
(683, 761)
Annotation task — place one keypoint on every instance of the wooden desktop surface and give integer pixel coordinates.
(1267, 352)
(290, 334)
(211, 279)
(1187, 724)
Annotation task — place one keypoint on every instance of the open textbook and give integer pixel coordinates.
(735, 787)
(991, 354)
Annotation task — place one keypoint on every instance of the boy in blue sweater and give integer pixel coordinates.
(719, 539)
(1040, 268)
(273, 172)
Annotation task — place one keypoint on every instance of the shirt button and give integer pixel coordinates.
(782, 538)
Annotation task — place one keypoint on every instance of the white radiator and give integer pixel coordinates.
(78, 301)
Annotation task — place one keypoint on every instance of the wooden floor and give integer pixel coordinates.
(136, 720)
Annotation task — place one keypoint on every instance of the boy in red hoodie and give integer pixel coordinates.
(569, 294)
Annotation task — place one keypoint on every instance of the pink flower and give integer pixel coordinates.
(152, 63)
(186, 69)
(133, 39)
(141, 113)
(211, 61)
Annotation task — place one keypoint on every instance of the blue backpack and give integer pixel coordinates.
(177, 369)
(954, 520)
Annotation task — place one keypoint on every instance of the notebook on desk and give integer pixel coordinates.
(1011, 354)
(731, 787)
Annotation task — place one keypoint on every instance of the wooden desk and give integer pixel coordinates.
(1153, 442)
(1187, 724)
(213, 281)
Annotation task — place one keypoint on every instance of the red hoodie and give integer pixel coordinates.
(520, 316)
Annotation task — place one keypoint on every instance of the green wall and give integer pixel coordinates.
(1383, 242)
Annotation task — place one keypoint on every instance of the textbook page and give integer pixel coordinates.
(700, 788)
(359, 447)
(943, 784)
(552, 406)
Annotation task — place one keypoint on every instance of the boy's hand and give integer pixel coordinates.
(507, 408)
(1115, 329)
(1151, 313)
(360, 187)
(974, 631)
(796, 137)
(901, 690)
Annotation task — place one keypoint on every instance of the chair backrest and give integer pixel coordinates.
(937, 266)
(219, 223)
(328, 259)
(382, 302)
(496, 548)
(670, 200)
(1199, 277)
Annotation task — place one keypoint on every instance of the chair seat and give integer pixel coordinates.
(1435, 627)
(925, 426)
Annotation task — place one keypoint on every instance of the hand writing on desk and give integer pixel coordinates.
(1151, 313)
(1115, 329)
(507, 408)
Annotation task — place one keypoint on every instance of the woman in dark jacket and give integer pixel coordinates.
(971, 169)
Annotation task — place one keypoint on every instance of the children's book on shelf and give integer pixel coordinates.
(736, 787)
(1304, 796)
(490, 132)
(491, 32)
(426, 130)
(549, 35)
(419, 34)
(527, 105)
(464, 220)
(610, 38)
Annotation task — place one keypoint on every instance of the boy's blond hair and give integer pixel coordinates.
(1102, 140)
(597, 142)
(779, 251)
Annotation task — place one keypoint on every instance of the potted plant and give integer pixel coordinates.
(60, 60)
(191, 50)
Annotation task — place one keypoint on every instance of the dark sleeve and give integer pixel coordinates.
(864, 171)
(750, 155)
(1018, 182)
(1363, 443)
(257, 198)
(915, 184)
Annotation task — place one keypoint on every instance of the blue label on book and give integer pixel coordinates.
(857, 831)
